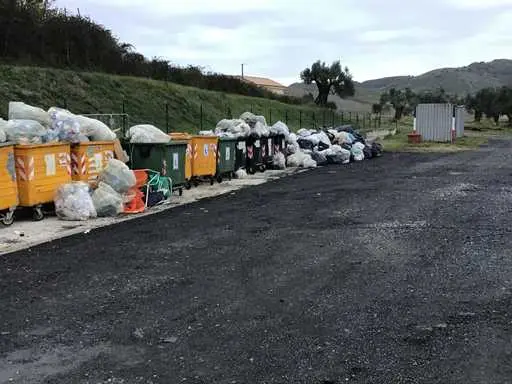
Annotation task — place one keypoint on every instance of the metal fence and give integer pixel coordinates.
(206, 116)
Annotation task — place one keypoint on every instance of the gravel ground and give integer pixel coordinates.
(396, 270)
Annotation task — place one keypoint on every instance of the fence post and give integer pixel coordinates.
(270, 115)
(380, 121)
(166, 117)
(357, 118)
(201, 116)
(300, 119)
(332, 119)
(314, 120)
(324, 118)
(364, 121)
(124, 117)
(252, 109)
(286, 117)
(350, 117)
(342, 118)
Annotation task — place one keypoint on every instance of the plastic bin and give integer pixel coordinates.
(267, 151)
(226, 158)
(240, 154)
(40, 170)
(204, 158)
(188, 159)
(89, 159)
(279, 143)
(254, 159)
(8, 185)
(167, 159)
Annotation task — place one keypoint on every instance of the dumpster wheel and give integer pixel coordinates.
(219, 179)
(262, 168)
(188, 185)
(212, 180)
(180, 191)
(38, 213)
(8, 218)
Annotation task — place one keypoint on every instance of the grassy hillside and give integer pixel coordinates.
(459, 81)
(189, 109)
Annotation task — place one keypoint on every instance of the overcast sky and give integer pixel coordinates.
(279, 38)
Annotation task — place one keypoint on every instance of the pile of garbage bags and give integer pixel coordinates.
(339, 145)
(78, 201)
(248, 124)
(32, 125)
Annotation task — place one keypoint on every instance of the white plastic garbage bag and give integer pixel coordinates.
(279, 161)
(147, 133)
(22, 111)
(241, 174)
(95, 129)
(206, 133)
(292, 138)
(232, 128)
(107, 201)
(118, 176)
(73, 202)
(300, 159)
(280, 128)
(357, 151)
(25, 131)
(260, 130)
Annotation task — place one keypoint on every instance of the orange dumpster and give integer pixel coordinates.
(204, 157)
(40, 170)
(8, 185)
(89, 159)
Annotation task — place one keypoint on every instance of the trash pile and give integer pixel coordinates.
(341, 145)
(33, 125)
(78, 201)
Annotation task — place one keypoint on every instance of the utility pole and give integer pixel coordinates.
(243, 70)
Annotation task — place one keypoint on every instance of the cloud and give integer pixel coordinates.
(279, 38)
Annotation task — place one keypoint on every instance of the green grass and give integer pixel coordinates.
(399, 141)
(189, 109)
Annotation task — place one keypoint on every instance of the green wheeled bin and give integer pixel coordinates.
(167, 159)
(226, 158)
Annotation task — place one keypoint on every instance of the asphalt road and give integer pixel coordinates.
(396, 270)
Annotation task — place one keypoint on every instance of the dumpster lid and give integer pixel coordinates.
(45, 145)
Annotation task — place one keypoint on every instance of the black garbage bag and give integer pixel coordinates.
(377, 149)
(320, 158)
(367, 152)
(347, 146)
(305, 144)
(336, 158)
(322, 146)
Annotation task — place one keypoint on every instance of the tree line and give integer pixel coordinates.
(493, 103)
(35, 32)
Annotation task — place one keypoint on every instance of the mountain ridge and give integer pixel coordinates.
(455, 80)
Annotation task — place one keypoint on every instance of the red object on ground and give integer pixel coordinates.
(414, 138)
(137, 204)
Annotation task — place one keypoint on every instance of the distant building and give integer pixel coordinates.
(268, 84)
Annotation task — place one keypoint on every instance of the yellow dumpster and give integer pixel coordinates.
(179, 136)
(89, 159)
(204, 158)
(40, 170)
(8, 186)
